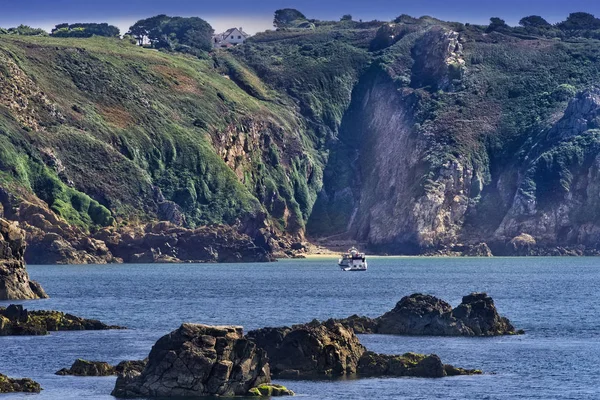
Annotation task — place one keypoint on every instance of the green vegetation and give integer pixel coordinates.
(24, 30)
(109, 131)
(85, 30)
(187, 35)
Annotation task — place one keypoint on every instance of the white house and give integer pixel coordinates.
(231, 37)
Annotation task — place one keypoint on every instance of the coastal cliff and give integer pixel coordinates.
(416, 136)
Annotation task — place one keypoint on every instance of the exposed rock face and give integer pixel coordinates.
(17, 321)
(198, 360)
(409, 364)
(426, 315)
(99, 368)
(14, 280)
(8, 385)
(164, 242)
(312, 350)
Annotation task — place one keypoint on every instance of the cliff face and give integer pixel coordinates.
(415, 137)
(14, 280)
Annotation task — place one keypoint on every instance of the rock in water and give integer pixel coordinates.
(425, 315)
(420, 314)
(409, 364)
(14, 280)
(312, 350)
(270, 390)
(17, 321)
(88, 368)
(198, 360)
(99, 368)
(8, 385)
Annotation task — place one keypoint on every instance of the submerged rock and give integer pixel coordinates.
(270, 390)
(198, 360)
(25, 385)
(426, 315)
(14, 279)
(312, 350)
(17, 321)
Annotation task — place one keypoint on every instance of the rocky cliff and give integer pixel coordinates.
(14, 279)
(414, 136)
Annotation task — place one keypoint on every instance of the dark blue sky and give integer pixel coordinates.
(256, 15)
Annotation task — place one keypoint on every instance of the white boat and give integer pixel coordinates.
(353, 260)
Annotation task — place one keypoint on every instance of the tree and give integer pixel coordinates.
(26, 30)
(174, 33)
(141, 30)
(85, 30)
(495, 24)
(346, 17)
(534, 21)
(286, 17)
(580, 21)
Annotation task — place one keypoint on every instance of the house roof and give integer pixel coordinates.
(231, 30)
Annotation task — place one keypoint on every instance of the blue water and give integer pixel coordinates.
(555, 300)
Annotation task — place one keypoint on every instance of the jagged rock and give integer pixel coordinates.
(425, 315)
(16, 321)
(14, 280)
(88, 368)
(312, 350)
(270, 390)
(9, 385)
(409, 364)
(198, 360)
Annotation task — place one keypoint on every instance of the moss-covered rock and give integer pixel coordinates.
(270, 390)
(16, 321)
(25, 385)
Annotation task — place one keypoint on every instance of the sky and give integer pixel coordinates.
(257, 15)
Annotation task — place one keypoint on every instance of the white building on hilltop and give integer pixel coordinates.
(231, 37)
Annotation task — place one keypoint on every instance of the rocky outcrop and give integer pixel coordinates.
(9, 385)
(198, 360)
(270, 390)
(14, 280)
(426, 315)
(409, 364)
(331, 349)
(165, 242)
(99, 368)
(17, 321)
(88, 368)
(312, 350)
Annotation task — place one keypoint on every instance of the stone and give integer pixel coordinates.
(311, 350)
(14, 279)
(426, 315)
(16, 321)
(25, 385)
(88, 368)
(270, 390)
(198, 360)
(408, 364)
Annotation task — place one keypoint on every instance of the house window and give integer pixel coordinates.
(232, 37)
(239, 37)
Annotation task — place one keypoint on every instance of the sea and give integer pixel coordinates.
(555, 300)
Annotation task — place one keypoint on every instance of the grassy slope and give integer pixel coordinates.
(129, 119)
